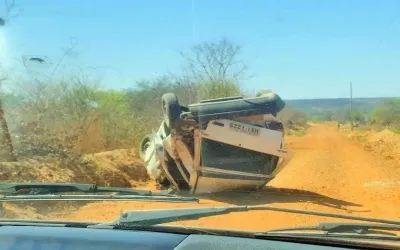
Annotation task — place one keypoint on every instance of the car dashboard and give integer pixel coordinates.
(65, 238)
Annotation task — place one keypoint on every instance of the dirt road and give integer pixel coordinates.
(328, 173)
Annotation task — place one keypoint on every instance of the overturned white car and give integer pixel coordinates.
(216, 145)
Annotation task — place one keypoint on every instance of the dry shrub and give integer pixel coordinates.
(74, 116)
(51, 118)
(295, 122)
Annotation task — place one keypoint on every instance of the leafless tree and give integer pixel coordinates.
(70, 51)
(6, 147)
(11, 11)
(188, 84)
(215, 61)
(207, 62)
(39, 86)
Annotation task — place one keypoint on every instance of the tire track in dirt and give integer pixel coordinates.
(330, 164)
(328, 173)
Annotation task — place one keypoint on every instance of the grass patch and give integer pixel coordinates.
(296, 133)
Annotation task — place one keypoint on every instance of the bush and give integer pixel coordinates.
(294, 122)
(387, 114)
(75, 116)
(51, 117)
(290, 116)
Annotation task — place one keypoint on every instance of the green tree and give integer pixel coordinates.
(357, 116)
(388, 113)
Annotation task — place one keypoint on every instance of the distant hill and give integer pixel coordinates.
(317, 107)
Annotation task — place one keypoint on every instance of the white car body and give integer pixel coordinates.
(206, 174)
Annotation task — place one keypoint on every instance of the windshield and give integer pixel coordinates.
(293, 104)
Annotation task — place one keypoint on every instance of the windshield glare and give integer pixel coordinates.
(287, 104)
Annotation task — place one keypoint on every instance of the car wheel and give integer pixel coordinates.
(144, 145)
(171, 110)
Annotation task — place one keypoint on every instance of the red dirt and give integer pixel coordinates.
(328, 173)
(385, 143)
(114, 168)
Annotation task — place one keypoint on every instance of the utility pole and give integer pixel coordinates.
(351, 106)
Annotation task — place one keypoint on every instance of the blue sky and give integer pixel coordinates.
(299, 49)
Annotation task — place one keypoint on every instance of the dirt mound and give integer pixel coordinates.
(120, 168)
(384, 143)
(112, 168)
(116, 168)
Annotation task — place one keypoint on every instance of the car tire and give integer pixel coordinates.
(144, 144)
(171, 110)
